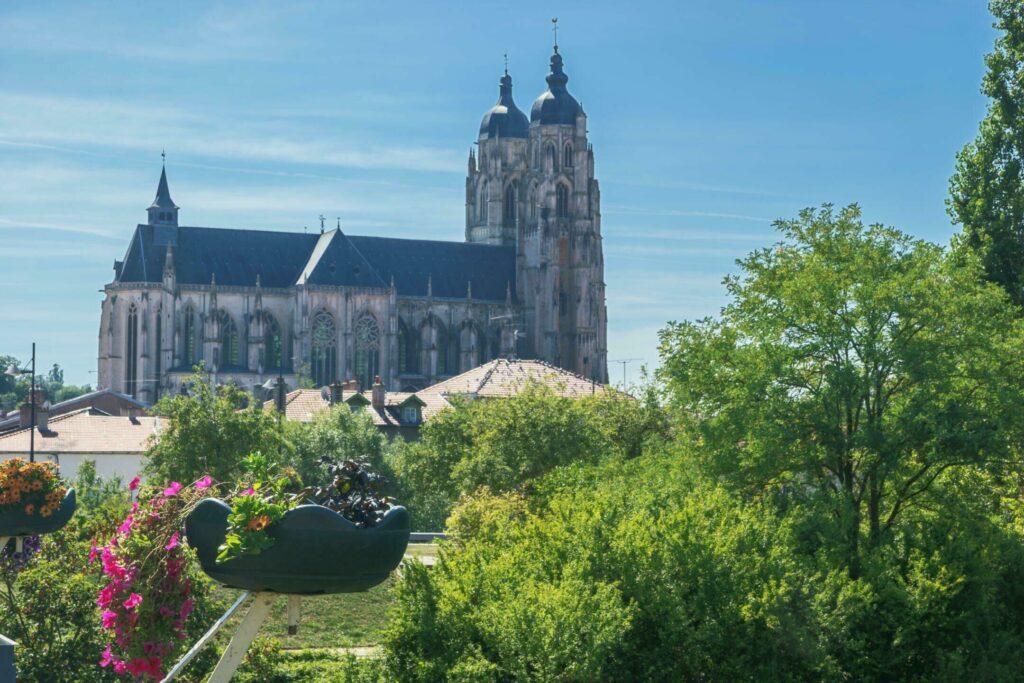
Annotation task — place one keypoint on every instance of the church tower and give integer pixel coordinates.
(163, 211)
(533, 187)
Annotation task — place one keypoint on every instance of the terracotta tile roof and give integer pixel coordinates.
(504, 377)
(302, 405)
(85, 431)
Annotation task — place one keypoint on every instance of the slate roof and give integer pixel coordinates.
(104, 397)
(503, 377)
(84, 431)
(282, 259)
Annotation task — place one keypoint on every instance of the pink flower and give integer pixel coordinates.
(126, 525)
(120, 667)
(249, 492)
(109, 619)
(173, 543)
(106, 595)
(204, 483)
(172, 490)
(93, 552)
(133, 601)
(186, 609)
(107, 658)
(133, 484)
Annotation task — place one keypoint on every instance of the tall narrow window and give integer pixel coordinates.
(442, 349)
(188, 338)
(408, 350)
(229, 351)
(531, 202)
(273, 344)
(553, 158)
(482, 202)
(158, 356)
(367, 350)
(325, 349)
(567, 156)
(511, 198)
(131, 352)
(562, 201)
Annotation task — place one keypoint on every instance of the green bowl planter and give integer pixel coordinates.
(16, 523)
(315, 550)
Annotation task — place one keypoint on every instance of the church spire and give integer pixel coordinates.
(163, 211)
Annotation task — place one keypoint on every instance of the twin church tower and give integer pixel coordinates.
(251, 305)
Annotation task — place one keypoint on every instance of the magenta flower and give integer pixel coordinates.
(173, 543)
(133, 484)
(204, 483)
(107, 658)
(172, 490)
(133, 601)
(126, 525)
(109, 619)
(249, 492)
(93, 552)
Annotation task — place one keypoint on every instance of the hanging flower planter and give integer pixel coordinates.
(315, 550)
(33, 500)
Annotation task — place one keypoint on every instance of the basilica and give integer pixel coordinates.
(252, 305)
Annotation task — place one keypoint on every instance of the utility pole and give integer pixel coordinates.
(624, 361)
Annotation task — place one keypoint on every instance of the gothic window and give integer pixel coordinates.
(131, 352)
(482, 203)
(273, 344)
(229, 351)
(567, 156)
(553, 158)
(478, 346)
(442, 349)
(562, 201)
(367, 350)
(531, 201)
(188, 338)
(408, 350)
(495, 343)
(325, 349)
(159, 348)
(511, 196)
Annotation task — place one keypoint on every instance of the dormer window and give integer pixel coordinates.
(411, 414)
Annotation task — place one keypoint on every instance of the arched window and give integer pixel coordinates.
(229, 351)
(188, 338)
(273, 344)
(531, 202)
(367, 350)
(511, 199)
(408, 350)
(553, 158)
(481, 204)
(442, 346)
(325, 349)
(562, 201)
(567, 156)
(131, 352)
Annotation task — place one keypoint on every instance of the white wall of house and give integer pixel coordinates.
(108, 465)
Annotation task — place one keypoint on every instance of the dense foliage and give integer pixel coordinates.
(209, 432)
(987, 189)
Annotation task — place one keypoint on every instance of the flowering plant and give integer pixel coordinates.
(32, 487)
(257, 507)
(148, 597)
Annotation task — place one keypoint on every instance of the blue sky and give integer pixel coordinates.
(709, 120)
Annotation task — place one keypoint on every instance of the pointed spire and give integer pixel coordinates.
(508, 292)
(163, 194)
(258, 285)
(430, 285)
(469, 289)
(169, 260)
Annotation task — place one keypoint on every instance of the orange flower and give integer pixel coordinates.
(258, 523)
(29, 509)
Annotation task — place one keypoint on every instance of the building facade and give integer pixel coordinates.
(251, 305)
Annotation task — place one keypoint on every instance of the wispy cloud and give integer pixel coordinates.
(647, 211)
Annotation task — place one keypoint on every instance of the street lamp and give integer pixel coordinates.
(14, 371)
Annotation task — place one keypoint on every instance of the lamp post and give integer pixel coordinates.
(14, 371)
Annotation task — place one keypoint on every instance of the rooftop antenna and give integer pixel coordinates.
(554, 21)
(321, 224)
(624, 362)
(506, 64)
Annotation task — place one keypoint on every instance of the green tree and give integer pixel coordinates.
(853, 367)
(342, 434)
(987, 188)
(210, 432)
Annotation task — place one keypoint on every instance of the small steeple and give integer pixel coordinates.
(163, 211)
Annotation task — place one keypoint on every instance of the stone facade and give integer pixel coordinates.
(252, 305)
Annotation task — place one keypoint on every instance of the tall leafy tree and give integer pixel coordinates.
(987, 189)
(854, 366)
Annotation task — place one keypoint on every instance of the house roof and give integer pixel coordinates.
(101, 399)
(84, 431)
(283, 259)
(302, 405)
(505, 377)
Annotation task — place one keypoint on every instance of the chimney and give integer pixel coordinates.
(337, 392)
(378, 394)
(42, 418)
(134, 413)
(280, 394)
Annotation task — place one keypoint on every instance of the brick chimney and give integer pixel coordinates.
(280, 394)
(337, 392)
(42, 417)
(378, 394)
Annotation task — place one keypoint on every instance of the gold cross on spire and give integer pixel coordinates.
(554, 21)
